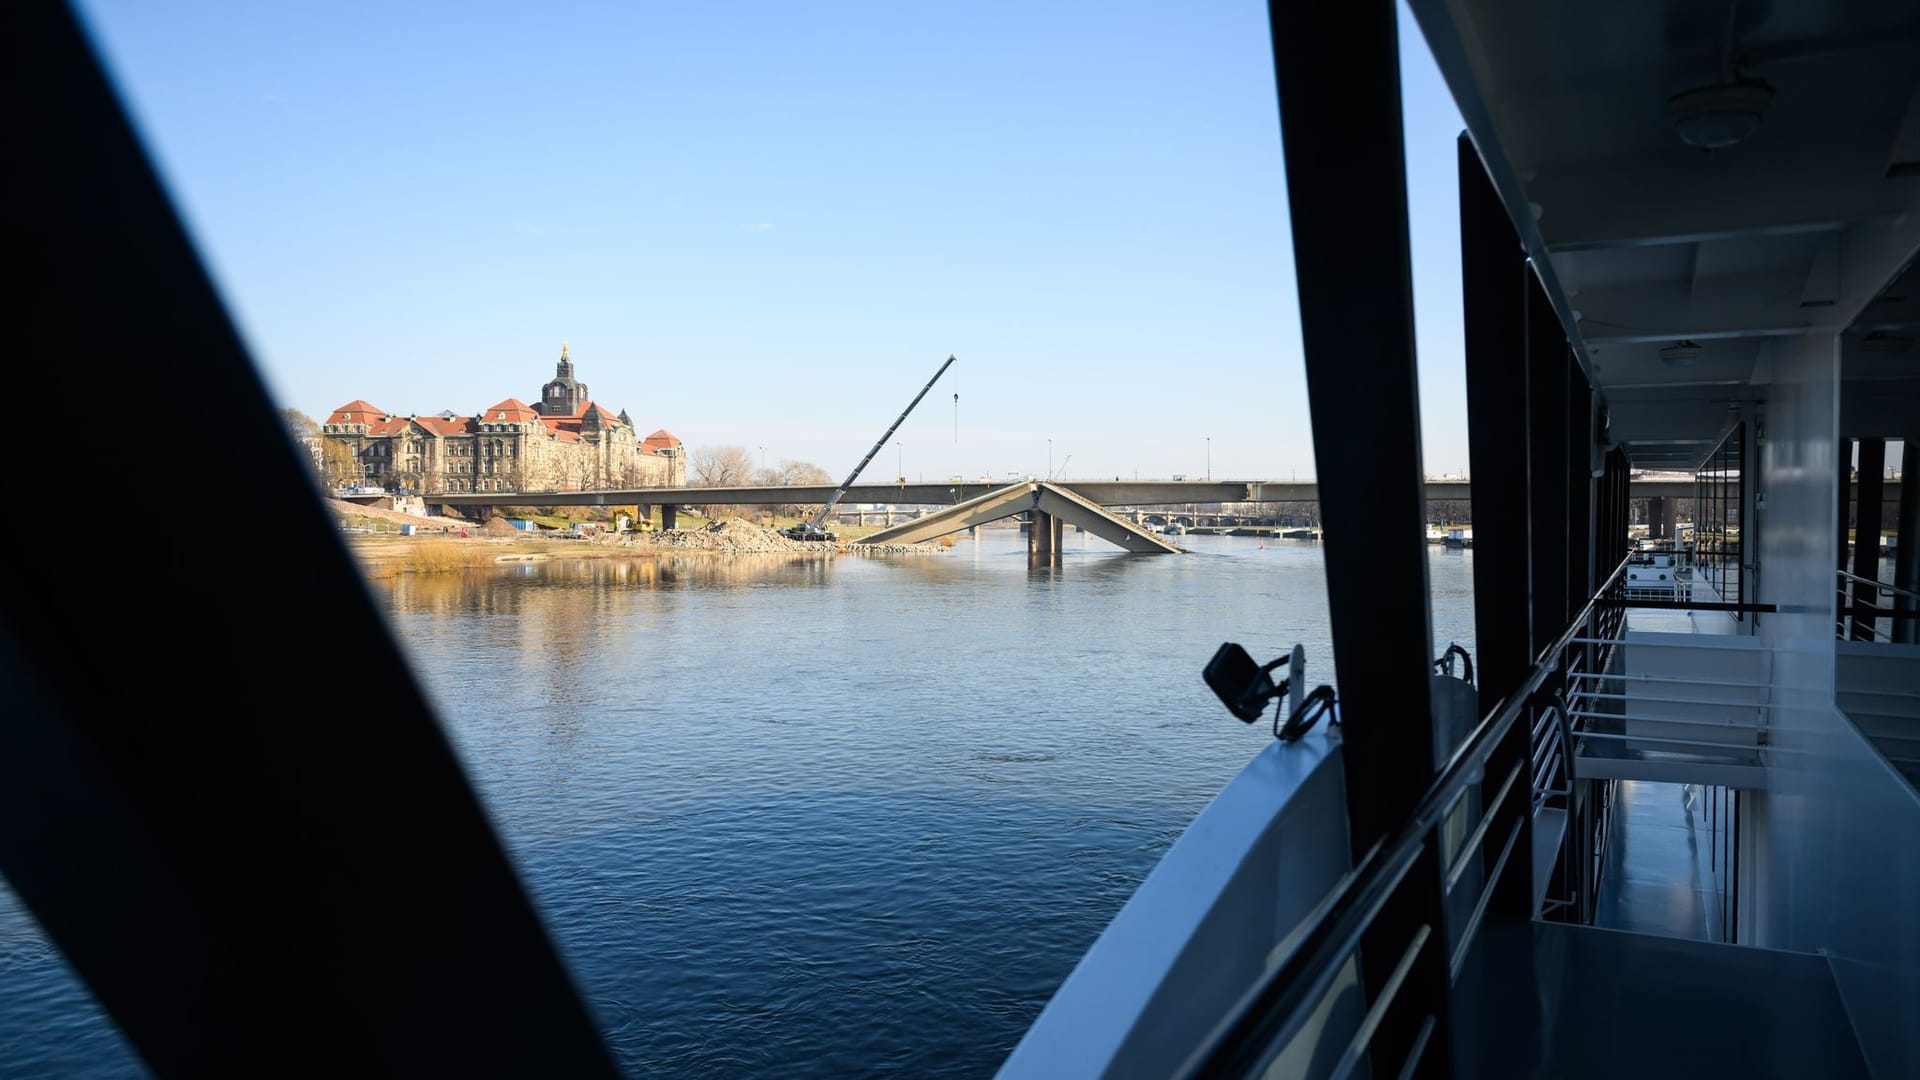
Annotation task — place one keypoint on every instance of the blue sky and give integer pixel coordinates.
(766, 224)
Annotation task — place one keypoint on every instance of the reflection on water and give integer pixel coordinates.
(816, 815)
(486, 588)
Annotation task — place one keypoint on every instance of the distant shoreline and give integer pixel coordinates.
(385, 555)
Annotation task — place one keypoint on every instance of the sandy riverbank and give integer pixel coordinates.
(442, 545)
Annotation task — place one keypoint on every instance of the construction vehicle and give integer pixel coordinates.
(814, 528)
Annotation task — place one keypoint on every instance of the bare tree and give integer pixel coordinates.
(299, 424)
(794, 474)
(721, 466)
(580, 469)
(306, 437)
(339, 467)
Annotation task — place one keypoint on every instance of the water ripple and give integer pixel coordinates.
(846, 817)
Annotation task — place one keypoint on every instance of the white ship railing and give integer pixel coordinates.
(1675, 693)
(1283, 1001)
(1860, 612)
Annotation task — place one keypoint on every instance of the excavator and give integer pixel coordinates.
(814, 528)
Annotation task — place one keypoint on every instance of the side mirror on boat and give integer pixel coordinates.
(1243, 686)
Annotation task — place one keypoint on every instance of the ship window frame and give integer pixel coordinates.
(1719, 518)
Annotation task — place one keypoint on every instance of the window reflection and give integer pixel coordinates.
(1719, 513)
(1877, 591)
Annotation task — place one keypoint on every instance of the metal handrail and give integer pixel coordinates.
(1883, 587)
(1856, 614)
(1627, 736)
(1596, 694)
(1687, 605)
(1272, 1011)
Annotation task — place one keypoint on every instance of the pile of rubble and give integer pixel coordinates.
(732, 536)
(858, 548)
(737, 536)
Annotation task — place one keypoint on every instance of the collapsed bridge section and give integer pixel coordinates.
(1051, 506)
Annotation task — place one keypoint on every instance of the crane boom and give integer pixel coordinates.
(812, 530)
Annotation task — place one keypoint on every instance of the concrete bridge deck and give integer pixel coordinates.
(1101, 492)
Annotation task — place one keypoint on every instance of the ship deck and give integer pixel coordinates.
(1611, 1003)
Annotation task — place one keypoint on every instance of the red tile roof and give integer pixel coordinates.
(446, 425)
(516, 412)
(564, 428)
(512, 410)
(356, 412)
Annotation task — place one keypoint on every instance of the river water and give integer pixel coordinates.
(805, 816)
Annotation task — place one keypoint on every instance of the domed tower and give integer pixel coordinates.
(565, 395)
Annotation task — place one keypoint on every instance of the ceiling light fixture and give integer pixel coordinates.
(1717, 116)
(1681, 354)
(1728, 110)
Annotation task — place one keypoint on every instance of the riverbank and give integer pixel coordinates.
(443, 545)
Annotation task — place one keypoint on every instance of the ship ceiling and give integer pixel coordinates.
(1880, 364)
(1653, 242)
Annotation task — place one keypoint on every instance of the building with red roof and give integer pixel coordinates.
(565, 442)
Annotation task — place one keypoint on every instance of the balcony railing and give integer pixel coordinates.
(1599, 684)
(1874, 610)
(1281, 1004)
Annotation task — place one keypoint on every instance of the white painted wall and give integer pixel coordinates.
(1836, 869)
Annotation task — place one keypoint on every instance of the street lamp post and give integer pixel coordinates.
(1049, 459)
(899, 462)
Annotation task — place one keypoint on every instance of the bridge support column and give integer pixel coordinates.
(669, 517)
(1056, 530)
(1041, 530)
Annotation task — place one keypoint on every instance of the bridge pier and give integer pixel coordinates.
(669, 517)
(1043, 536)
(1661, 515)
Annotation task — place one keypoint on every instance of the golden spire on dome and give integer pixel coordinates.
(563, 350)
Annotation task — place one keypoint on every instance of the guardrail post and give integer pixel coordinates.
(1867, 521)
(1906, 552)
(1494, 281)
(1347, 197)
